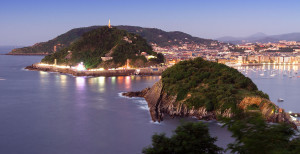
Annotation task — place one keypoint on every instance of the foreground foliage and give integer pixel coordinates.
(188, 138)
(254, 135)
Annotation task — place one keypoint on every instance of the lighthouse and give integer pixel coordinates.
(109, 26)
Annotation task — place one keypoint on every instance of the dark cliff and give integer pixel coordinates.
(160, 104)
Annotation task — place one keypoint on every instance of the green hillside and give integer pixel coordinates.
(106, 42)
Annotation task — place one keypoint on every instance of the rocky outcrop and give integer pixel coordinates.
(268, 109)
(160, 104)
(137, 94)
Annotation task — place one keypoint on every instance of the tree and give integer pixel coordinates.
(188, 138)
(254, 135)
(161, 58)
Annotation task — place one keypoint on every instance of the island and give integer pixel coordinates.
(207, 90)
(105, 51)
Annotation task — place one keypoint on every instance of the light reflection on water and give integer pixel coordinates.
(101, 81)
(120, 79)
(113, 80)
(43, 77)
(128, 83)
(43, 74)
(80, 83)
(63, 80)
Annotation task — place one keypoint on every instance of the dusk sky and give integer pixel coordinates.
(25, 22)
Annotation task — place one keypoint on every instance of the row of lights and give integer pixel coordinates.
(80, 67)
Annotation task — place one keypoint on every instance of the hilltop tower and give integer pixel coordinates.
(109, 26)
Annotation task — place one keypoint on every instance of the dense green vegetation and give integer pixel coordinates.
(110, 42)
(152, 35)
(188, 138)
(201, 83)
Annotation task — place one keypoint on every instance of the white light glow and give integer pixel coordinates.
(80, 67)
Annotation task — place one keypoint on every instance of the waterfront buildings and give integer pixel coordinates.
(282, 52)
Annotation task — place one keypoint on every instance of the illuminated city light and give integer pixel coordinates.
(99, 69)
(80, 67)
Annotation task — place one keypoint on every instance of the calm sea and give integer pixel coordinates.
(47, 113)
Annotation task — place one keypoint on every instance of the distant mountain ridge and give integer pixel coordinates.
(152, 35)
(261, 37)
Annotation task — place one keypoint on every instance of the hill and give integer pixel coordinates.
(152, 35)
(106, 47)
(207, 90)
(261, 37)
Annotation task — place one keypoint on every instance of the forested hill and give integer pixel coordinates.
(152, 35)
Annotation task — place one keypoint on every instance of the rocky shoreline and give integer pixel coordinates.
(107, 73)
(161, 104)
